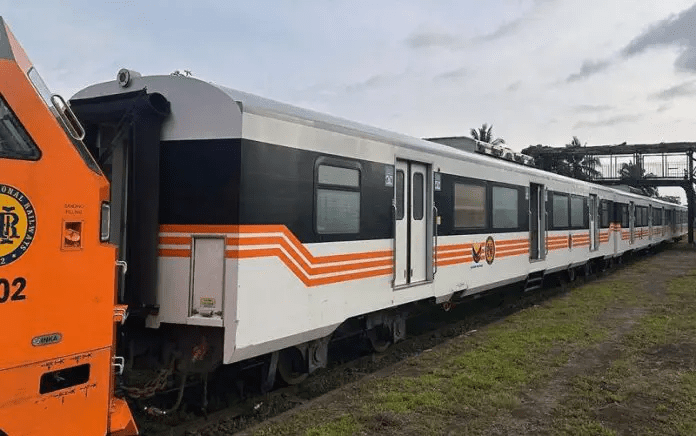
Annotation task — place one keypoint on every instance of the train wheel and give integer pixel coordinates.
(571, 274)
(380, 338)
(587, 269)
(292, 366)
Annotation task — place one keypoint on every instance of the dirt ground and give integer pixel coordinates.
(616, 356)
(633, 415)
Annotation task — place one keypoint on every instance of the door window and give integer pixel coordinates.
(417, 196)
(399, 194)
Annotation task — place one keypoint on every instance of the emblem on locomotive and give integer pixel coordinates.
(476, 251)
(490, 250)
(17, 224)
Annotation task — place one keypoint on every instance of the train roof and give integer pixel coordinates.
(223, 105)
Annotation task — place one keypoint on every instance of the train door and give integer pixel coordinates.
(594, 222)
(537, 222)
(208, 278)
(412, 234)
(632, 220)
(650, 222)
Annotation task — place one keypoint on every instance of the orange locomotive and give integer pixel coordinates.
(57, 269)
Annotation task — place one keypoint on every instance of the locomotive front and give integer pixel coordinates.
(57, 308)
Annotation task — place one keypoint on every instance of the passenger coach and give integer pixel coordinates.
(255, 229)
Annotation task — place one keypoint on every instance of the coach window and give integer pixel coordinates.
(577, 212)
(643, 216)
(469, 206)
(560, 211)
(15, 142)
(605, 213)
(505, 208)
(338, 199)
(654, 215)
(624, 215)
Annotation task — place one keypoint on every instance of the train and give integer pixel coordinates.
(259, 231)
(241, 232)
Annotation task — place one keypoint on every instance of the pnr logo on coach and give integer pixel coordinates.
(17, 224)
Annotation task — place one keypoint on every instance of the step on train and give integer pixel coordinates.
(245, 233)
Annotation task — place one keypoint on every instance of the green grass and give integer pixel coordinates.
(639, 378)
(345, 425)
(466, 386)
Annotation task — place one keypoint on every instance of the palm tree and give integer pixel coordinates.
(485, 134)
(541, 160)
(579, 166)
(566, 164)
(632, 172)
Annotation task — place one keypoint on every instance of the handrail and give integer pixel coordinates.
(546, 232)
(394, 213)
(435, 214)
(68, 117)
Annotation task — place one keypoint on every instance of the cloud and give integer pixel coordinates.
(619, 119)
(681, 90)
(502, 31)
(514, 86)
(517, 24)
(664, 107)
(373, 82)
(434, 39)
(587, 69)
(452, 76)
(589, 108)
(675, 31)
(679, 30)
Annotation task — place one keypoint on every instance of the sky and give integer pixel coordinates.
(539, 71)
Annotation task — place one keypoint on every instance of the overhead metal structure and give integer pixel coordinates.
(663, 164)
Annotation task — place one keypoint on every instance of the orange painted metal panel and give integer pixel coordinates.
(65, 316)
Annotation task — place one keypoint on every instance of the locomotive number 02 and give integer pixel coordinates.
(12, 291)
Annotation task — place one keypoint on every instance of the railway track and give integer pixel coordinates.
(350, 361)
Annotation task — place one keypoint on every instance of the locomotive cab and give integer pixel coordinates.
(57, 269)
